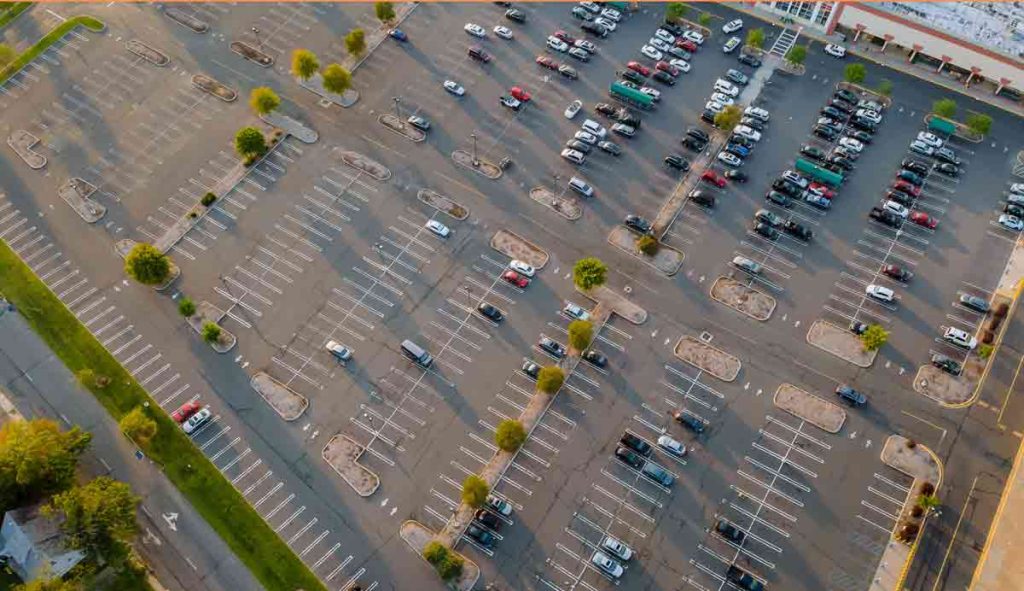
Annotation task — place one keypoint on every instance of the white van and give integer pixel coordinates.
(595, 128)
(725, 87)
(417, 354)
(580, 186)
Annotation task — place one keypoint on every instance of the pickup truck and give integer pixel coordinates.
(885, 217)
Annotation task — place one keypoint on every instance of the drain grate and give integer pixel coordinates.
(706, 336)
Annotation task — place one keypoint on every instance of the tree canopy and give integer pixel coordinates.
(98, 517)
(796, 54)
(729, 117)
(147, 265)
(874, 337)
(550, 378)
(755, 38)
(855, 73)
(385, 12)
(304, 64)
(138, 426)
(264, 100)
(589, 273)
(355, 42)
(944, 108)
(979, 123)
(509, 435)
(474, 491)
(37, 459)
(581, 332)
(336, 79)
(249, 142)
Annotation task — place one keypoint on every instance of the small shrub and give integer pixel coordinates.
(927, 488)
(911, 444)
(885, 88)
(211, 332)
(138, 426)
(434, 553)
(985, 351)
(589, 273)
(944, 108)
(704, 19)
(186, 307)
(208, 199)
(647, 245)
(509, 435)
(192, 215)
(581, 332)
(855, 73)
(987, 337)
(916, 512)
(1001, 309)
(147, 265)
(451, 567)
(979, 123)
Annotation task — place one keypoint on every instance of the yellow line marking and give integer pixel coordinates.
(952, 541)
(1009, 391)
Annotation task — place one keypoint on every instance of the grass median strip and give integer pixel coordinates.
(12, 12)
(271, 561)
(94, 25)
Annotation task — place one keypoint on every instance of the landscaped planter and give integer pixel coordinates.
(343, 453)
(402, 128)
(76, 192)
(316, 86)
(151, 55)
(211, 86)
(515, 246)
(962, 131)
(743, 298)
(482, 167)
(207, 312)
(364, 164)
(22, 142)
(442, 203)
(710, 359)
(186, 20)
(251, 53)
(840, 342)
(667, 260)
(567, 207)
(286, 402)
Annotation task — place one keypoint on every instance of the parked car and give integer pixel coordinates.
(556, 349)
(515, 279)
(617, 547)
(896, 272)
(946, 364)
(978, 304)
(834, 50)
(742, 579)
(185, 411)
(729, 531)
(960, 338)
(766, 231)
(880, 292)
(338, 351)
(575, 312)
(480, 535)
(688, 420)
(922, 219)
(850, 396)
(606, 565)
(499, 505)
(485, 517)
(798, 231)
(636, 444)
(198, 419)
(595, 358)
(638, 224)
(628, 457)
(745, 264)
(671, 446)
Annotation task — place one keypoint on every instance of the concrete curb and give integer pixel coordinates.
(833, 353)
(711, 292)
(739, 364)
(399, 129)
(816, 400)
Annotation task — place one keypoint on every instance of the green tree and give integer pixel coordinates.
(755, 38)
(37, 459)
(589, 273)
(250, 143)
(451, 567)
(796, 54)
(647, 245)
(550, 379)
(208, 199)
(944, 108)
(304, 64)
(99, 517)
(138, 426)
(581, 332)
(885, 87)
(186, 307)
(704, 19)
(928, 502)
(874, 337)
(509, 435)
(263, 100)
(675, 11)
(7, 55)
(979, 123)
(211, 332)
(355, 42)
(434, 552)
(385, 12)
(41, 584)
(336, 79)
(147, 265)
(729, 117)
(474, 491)
(855, 73)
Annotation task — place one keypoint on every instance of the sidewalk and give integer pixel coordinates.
(1000, 566)
(893, 58)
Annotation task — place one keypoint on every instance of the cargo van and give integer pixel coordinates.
(416, 353)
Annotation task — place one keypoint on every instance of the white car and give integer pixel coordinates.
(586, 136)
(454, 87)
(1011, 222)
(651, 52)
(616, 547)
(1017, 188)
(960, 338)
(757, 113)
(872, 116)
(722, 99)
(197, 420)
(573, 108)
(591, 6)
(665, 36)
(475, 30)
(606, 565)
(591, 126)
(438, 228)
(503, 32)
(671, 445)
(732, 26)
(731, 44)
(931, 139)
(573, 156)
(522, 268)
(729, 159)
(607, 23)
(575, 312)
(658, 44)
(795, 178)
(870, 105)
(611, 14)
(581, 186)
(835, 50)
(726, 87)
(585, 45)
(880, 292)
(654, 93)
(343, 354)
(921, 148)
(748, 133)
(557, 44)
(682, 65)
(695, 37)
(852, 144)
(714, 107)
(896, 208)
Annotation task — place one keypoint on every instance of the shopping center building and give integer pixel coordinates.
(979, 44)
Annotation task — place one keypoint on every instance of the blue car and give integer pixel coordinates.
(399, 35)
(741, 151)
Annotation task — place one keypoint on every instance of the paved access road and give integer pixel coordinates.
(308, 250)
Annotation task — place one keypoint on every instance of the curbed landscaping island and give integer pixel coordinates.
(93, 24)
(255, 543)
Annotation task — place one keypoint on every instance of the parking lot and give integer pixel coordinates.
(307, 250)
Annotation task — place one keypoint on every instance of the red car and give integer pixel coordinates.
(565, 37)
(712, 177)
(185, 411)
(515, 279)
(822, 190)
(907, 188)
(639, 68)
(687, 45)
(922, 219)
(547, 62)
(897, 273)
(519, 94)
(667, 67)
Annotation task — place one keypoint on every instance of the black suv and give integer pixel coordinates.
(766, 231)
(798, 230)
(729, 531)
(690, 421)
(513, 14)
(742, 579)
(699, 134)
(638, 224)
(786, 187)
(946, 364)
(628, 457)
(488, 519)
(632, 76)
(490, 311)
(635, 443)
(914, 166)
(551, 346)
(694, 144)
(846, 95)
(480, 535)
(750, 60)
(677, 162)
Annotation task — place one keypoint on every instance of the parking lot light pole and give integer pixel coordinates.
(398, 112)
(256, 33)
(476, 162)
(369, 417)
(469, 296)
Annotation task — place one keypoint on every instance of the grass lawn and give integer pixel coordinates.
(49, 39)
(271, 561)
(12, 11)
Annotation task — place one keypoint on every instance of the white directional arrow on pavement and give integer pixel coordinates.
(171, 519)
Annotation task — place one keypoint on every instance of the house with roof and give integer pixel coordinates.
(32, 545)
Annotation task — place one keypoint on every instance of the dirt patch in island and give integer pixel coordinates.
(76, 192)
(667, 260)
(515, 246)
(443, 203)
(742, 298)
(211, 86)
(913, 459)
(402, 128)
(343, 453)
(713, 360)
(480, 166)
(22, 142)
(146, 52)
(365, 164)
(286, 402)
(840, 342)
(567, 207)
(813, 409)
(945, 388)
